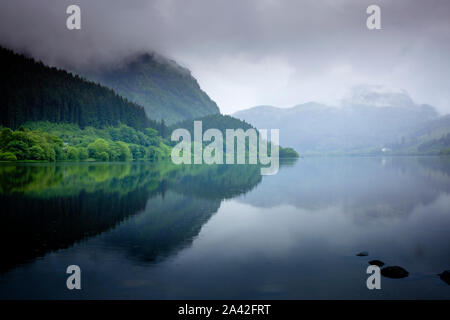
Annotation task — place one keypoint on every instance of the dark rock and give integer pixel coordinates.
(445, 276)
(394, 272)
(362, 254)
(376, 263)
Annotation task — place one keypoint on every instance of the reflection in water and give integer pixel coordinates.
(368, 186)
(51, 207)
(163, 231)
(167, 225)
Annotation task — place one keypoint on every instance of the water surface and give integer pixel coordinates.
(159, 231)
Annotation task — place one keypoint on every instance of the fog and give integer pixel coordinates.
(253, 52)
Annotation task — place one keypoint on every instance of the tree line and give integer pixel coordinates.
(47, 141)
(32, 91)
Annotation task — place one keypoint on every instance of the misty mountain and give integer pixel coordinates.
(372, 118)
(32, 91)
(165, 89)
(431, 137)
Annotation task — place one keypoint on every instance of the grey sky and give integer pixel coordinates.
(252, 52)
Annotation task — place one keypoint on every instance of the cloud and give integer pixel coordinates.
(249, 52)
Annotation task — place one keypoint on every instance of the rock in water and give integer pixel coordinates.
(445, 276)
(394, 272)
(362, 254)
(376, 263)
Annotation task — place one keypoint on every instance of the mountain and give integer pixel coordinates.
(431, 137)
(32, 91)
(222, 123)
(216, 121)
(165, 89)
(60, 116)
(366, 122)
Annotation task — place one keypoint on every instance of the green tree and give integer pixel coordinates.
(97, 148)
(83, 153)
(103, 156)
(72, 153)
(7, 156)
(5, 136)
(125, 153)
(37, 153)
(19, 149)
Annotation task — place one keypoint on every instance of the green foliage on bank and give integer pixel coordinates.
(48, 141)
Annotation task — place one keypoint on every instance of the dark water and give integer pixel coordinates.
(159, 231)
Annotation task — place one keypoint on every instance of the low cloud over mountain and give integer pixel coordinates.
(368, 120)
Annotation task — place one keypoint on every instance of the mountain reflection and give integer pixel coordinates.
(366, 187)
(50, 207)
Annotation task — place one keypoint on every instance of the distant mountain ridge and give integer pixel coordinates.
(366, 123)
(165, 89)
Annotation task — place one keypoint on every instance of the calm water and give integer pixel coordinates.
(162, 232)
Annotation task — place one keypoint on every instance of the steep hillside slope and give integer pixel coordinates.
(31, 91)
(165, 89)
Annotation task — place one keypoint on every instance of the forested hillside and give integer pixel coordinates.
(49, 114)
(222, 123)
(165, 89)
(31, 91)
(432, 137)
(217, 121)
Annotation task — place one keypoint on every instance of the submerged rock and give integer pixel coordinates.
(394, 272)
(445, 276)
(362, 254)
(376, 263)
